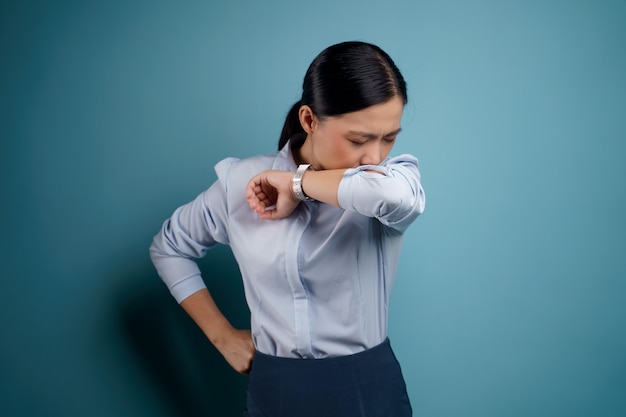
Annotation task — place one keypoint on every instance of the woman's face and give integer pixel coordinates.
(364, 137)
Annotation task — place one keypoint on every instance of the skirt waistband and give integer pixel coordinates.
(330, 361)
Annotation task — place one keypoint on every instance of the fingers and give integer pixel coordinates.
(240, 352)
(245, 363)
(269, 195)
(256, 196)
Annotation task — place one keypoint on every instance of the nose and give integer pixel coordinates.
(371, 153)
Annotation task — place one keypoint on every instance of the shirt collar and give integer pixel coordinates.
(284, 159)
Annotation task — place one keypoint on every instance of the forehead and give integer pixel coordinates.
(380, 118)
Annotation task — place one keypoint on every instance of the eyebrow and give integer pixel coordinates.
(366, 135)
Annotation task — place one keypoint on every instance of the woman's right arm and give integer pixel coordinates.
(390, 192)
(192, 230)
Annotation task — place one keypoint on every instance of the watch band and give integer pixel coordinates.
(296, 183)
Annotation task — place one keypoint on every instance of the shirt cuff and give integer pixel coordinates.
(186, 287)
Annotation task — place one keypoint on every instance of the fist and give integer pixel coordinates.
(270, 195)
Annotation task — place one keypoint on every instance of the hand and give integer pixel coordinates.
(237, 348)
(270, 195)
(235, 345)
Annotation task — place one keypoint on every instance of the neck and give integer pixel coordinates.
(304, 153)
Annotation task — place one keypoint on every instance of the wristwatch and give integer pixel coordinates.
(296, 183)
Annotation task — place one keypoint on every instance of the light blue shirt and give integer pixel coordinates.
(317, 282)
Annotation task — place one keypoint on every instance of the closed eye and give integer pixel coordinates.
(364, 136)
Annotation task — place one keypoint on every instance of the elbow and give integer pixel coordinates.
(392, 203)
(156, 250)
(153, 251)
(407, 198)
(402, 203)
(420, 201)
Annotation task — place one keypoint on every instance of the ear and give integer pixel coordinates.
(308, 121)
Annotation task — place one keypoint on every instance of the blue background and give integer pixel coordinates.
(510, 299)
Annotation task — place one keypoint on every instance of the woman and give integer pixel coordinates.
(316, 229)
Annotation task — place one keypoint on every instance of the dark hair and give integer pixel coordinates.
(343, 78)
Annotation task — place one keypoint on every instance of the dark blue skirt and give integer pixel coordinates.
(366, 384)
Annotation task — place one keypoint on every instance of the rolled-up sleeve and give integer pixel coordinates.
(186, 236)
(391, 192)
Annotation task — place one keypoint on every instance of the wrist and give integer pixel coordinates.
(220, 333)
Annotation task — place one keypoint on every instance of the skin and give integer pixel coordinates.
(333, 144)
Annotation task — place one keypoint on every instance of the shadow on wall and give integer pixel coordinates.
(186, 370)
